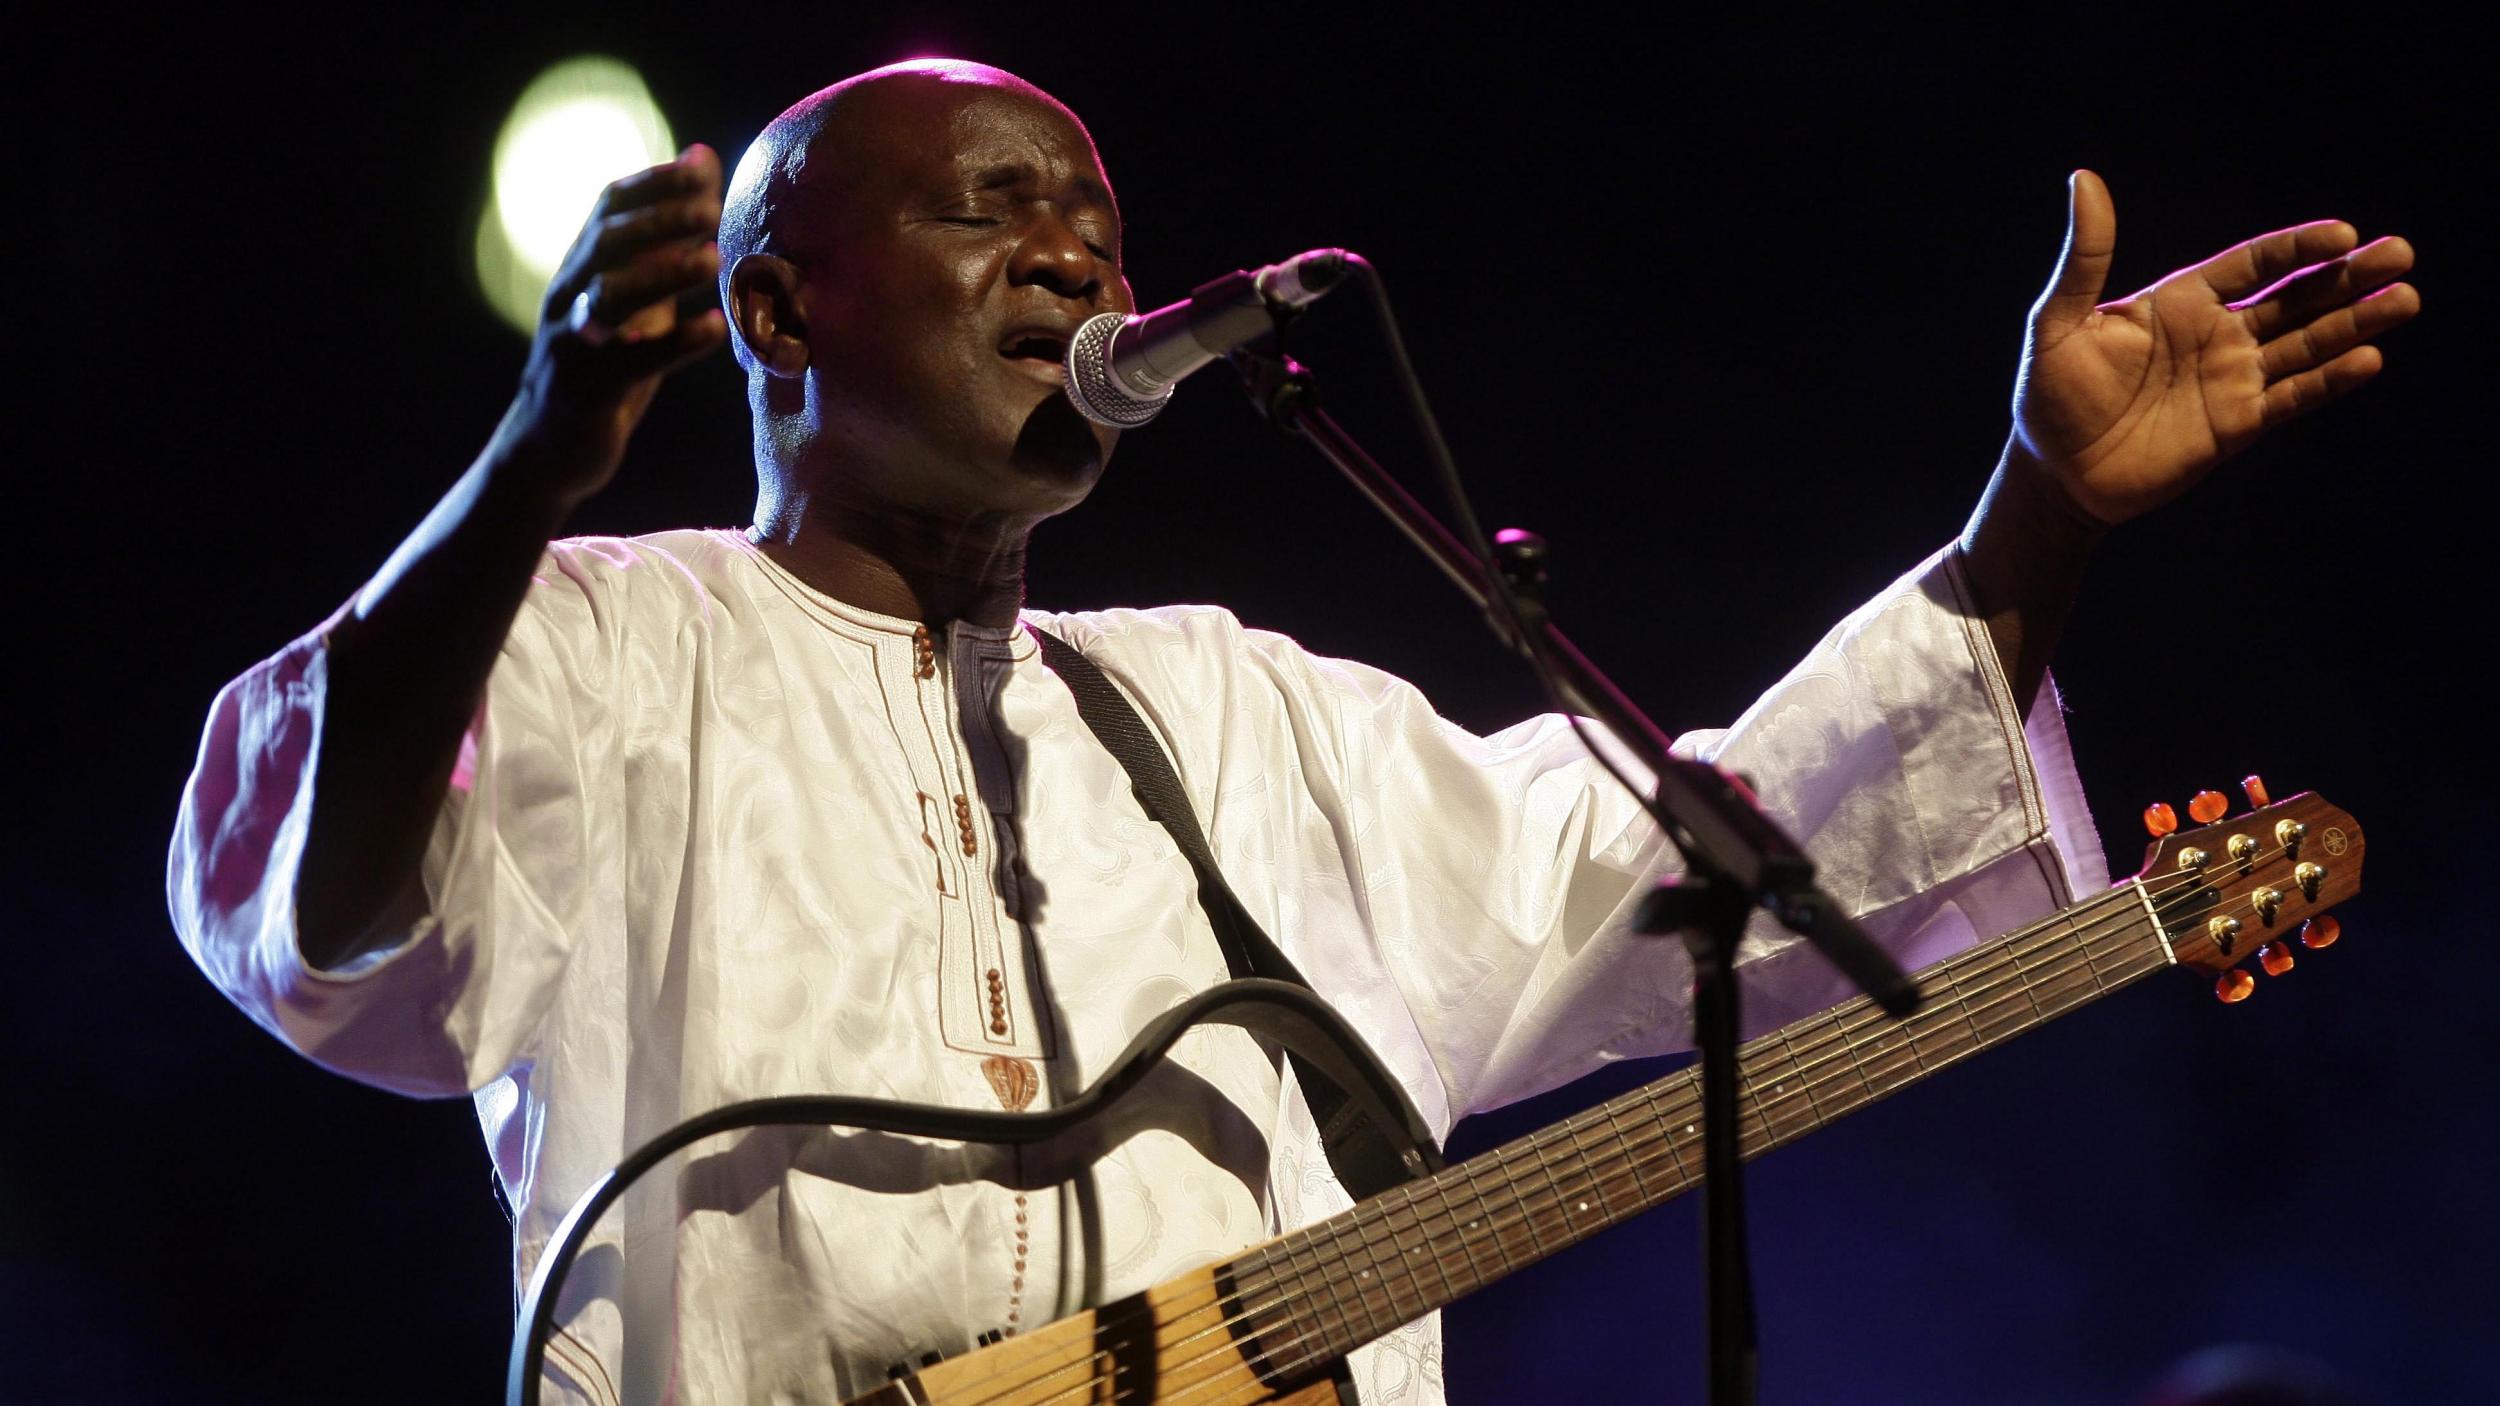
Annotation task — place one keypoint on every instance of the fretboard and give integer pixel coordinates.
(1321, 1291)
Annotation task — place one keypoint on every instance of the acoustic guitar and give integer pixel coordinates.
(1273, 1324)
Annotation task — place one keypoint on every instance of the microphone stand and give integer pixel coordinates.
(1735, 858)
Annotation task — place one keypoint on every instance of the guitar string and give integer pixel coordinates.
(2070, 929)
(2050, 933)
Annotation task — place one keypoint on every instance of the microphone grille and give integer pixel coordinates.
(1090, 388)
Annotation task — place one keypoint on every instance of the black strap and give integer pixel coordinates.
(1364, 1155)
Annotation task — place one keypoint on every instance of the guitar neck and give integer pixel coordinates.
(1321, 1291)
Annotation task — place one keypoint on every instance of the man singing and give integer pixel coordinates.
(609, 833)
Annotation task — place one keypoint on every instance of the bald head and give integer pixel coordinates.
(808, 168)
(905, 256)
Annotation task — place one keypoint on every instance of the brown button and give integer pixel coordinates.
(998, 1027)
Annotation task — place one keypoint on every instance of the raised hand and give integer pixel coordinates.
(409, 661)
(609, 333)
(2126, 404)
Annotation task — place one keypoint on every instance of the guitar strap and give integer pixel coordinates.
(1364, 1156)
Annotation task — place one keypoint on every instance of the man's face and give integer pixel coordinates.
(973, 232)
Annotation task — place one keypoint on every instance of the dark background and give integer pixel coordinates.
(1729, 312)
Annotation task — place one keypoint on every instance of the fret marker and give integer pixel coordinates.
(1688, 1127)
(1584, 1205)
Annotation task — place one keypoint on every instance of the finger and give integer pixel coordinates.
(657, 276)
(2298, 395)
(2244, 268)
(619, 237)
(680, 345)
(695, 171)
(2083, 265)
(2318, 288)
(615, 242)
(2338, 332)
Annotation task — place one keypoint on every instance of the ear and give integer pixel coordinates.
(765, 314)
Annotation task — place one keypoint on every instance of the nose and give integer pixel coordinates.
(1054, 256)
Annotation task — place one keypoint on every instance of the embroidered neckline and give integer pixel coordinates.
(808, 596)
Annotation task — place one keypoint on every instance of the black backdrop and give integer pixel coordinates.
(1729, 312)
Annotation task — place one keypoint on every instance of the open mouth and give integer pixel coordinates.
(1034, 346)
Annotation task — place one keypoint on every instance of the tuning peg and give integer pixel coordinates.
(2254, 786)
(2206, 807)
(2320, 931)
(2276, 957)
(2233, 986)
(2160, 819)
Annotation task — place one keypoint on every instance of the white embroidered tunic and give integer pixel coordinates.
(715, 836)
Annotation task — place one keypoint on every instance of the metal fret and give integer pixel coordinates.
(1510, 1188)
(1857, 1066)
(1386, 1274)
(1476, 1277)
(1978, 1040)
(2022, 978)
(1484, 1213)
(1630, 1151)
(1423, 1246)
(1749, 1105)
(1562, 1202)
(1666, 1131)
(1908, 1031)
(1597, 1184)
(1805, 1081)
(2091, 967)
(1316, 1283)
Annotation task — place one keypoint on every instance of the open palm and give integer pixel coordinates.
(2128, 403)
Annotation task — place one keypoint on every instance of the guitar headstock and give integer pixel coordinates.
(2254, 885)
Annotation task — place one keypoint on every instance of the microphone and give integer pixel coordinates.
(1121, 370)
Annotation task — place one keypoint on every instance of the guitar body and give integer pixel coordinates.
(1175, 1342)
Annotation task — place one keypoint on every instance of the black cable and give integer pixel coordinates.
(1514, 615)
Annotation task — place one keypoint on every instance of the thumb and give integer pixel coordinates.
(2083, 265)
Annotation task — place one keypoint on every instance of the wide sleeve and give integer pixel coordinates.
(452, 1003)
(1492, 877)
